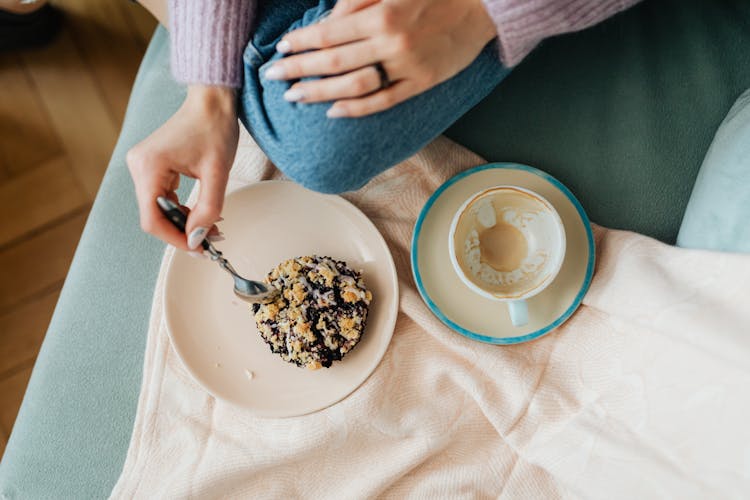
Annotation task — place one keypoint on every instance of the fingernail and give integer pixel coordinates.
(198, 255)
(220, 219)
(283, 47)
(275, 72)
(196, 237)
(294, 95)
(215, 238)
(334, 112)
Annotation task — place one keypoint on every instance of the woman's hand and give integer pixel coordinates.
(420, 43)
(200, 141)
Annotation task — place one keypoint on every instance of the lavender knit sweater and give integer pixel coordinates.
(209, 36)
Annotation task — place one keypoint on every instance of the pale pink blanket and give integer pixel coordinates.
(643, 393)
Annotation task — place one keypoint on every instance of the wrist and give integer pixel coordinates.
(213, 99)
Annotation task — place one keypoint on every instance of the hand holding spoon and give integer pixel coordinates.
(247, 290)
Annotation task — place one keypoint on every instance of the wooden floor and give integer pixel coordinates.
(61, 108)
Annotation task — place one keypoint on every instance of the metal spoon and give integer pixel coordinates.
(247, 290)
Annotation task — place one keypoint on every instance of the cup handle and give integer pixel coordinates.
(519, 312)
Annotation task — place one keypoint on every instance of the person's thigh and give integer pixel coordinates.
(337, 155)
(717, 214)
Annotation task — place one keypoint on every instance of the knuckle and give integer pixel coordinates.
(335, 62)
(138, 159)
(133, 158)
(388, 18)
(403, 43)
(323, 38)
(360, 85)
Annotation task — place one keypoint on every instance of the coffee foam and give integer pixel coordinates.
(520, 267)
(526, 222)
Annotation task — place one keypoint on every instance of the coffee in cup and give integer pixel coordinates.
(507, 244)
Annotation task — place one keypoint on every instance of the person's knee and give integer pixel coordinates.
(328, 158)
(323, 173)
(320, 153)
(318, 176)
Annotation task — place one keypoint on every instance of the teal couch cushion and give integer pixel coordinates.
(717, 214)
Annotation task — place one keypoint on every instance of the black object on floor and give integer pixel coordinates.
(33, 29)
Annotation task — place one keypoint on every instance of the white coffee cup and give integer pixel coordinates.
(507, 244)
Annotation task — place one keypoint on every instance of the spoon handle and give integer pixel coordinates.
(173, 212)
(177, 217)
(248, 290)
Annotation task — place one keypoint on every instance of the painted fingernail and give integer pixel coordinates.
(283, 47)
(196, 237)
(294, 95)
(215, 238)
(334, 112)
(198, 255)
(275, 72)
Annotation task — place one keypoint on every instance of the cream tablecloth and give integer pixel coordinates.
(643, 393)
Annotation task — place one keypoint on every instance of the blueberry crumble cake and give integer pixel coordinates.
(319, 314)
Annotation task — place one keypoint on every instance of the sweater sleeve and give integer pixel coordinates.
(522, 24)
(208, 38)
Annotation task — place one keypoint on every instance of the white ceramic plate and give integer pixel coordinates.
(483, 319)
(214, 333)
